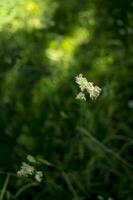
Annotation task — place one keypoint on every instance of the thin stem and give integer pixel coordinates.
(71, 188)
(64, 175)
(10, 173)
(15, 175)
(4, 186)
(25, 187)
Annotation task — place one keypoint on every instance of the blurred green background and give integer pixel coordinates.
(44, 44)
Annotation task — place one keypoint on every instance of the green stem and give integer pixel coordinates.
(4, 186)
(25, 187)
(64, 175)
(71, 188)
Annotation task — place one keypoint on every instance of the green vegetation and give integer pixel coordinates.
(84, 147)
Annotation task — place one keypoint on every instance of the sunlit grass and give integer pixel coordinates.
(62, 50)
(23, 14)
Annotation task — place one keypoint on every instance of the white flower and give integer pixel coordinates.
(31, 159)
(82, 82)
(81, 96)
(94, 92)
(39, 176)
(84, 85)
(26, 170)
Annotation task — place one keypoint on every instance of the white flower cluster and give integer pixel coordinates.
(39, 176)
(27, 170)
(81, 96)
(84, 85)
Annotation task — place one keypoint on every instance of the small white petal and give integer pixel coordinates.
(39, 176)
(26, 170)
(81, 96)
(31, 159)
